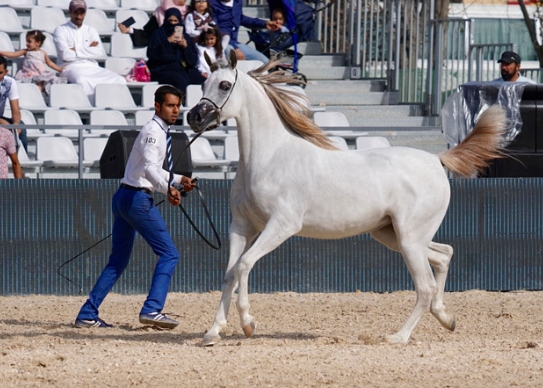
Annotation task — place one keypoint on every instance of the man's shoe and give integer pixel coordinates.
(158, 319)
(91, 323)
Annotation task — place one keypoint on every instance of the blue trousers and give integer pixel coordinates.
(135, 211)
(251, 53)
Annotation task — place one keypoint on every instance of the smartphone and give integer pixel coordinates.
(128, 22)
(178, 33)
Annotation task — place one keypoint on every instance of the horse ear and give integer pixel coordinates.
(208, 60)
(233, 59)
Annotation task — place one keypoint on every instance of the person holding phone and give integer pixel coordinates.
(140, 37)
(173, 56)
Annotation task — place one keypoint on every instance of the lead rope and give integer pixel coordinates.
(191, 222)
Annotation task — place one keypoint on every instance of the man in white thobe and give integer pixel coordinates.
(78, 46)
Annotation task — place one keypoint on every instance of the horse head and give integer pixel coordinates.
(218, 88)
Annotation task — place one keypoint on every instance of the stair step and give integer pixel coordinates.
(372, 111)
(258, 11)
(353, 98)
(308, 62)
(357, 86)
(320, 73)
(420, 121)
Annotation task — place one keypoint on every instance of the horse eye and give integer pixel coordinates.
(225, 86)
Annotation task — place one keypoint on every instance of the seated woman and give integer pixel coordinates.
(140, 37)
(173, 56)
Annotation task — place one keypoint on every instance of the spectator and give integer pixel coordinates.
(9, 91)
(278, 16)
(510, 66)
(7, 148)
(199, 19)
(229, 16)
(173, 56)
(78, 46)
(35, 62)
(140, 37)
(210, 43)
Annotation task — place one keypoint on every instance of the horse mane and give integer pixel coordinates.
(292, 107)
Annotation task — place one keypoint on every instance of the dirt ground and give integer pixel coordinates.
(302, 340)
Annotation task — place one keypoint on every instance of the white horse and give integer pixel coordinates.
(292, 182)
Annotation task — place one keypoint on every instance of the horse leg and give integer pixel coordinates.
(415, 256)
(239, 243)
(416, 259)
(273, 235)
(439, 258)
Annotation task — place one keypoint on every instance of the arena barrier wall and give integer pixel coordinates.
(494, 225)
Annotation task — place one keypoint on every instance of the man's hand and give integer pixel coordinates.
(174, 196)
(188, 184)
(94, 44)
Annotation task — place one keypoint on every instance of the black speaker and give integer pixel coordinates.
(118, 148)
(520, 165)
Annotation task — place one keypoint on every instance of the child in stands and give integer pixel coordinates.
(210, 43)
(35, 59)
(199, 19)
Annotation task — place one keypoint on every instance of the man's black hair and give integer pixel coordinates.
(3, 61)
(160, 94)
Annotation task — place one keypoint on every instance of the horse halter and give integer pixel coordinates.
(219, 108)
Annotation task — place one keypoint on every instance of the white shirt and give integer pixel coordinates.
(144, 166)
(68, 36)
(519, 79)
(8, 91)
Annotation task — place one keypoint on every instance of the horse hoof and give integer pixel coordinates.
(210, 340)
(452, 326)
(249, 329)
(449, 324)
(395, 339)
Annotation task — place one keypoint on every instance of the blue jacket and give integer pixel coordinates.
(229, 19)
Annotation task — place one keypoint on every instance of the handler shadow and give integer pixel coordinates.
(68, 331)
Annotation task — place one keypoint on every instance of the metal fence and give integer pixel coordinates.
(494, 226)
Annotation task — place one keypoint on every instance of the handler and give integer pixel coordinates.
(134, 211)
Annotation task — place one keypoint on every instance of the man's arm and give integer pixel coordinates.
(15, 111)
(64, 51)
(16, 166)
(95, 49)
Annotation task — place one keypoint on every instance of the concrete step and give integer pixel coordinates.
(321, 61)
(321, 73)
(352, 98)
(345, 86)
(376, 112)
(257, 11)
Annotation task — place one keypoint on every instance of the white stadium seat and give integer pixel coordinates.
(63, 117)
(70, 96)
(330, 119)
(141, 17)
(339, 142)
(115, 96)
(120, 65)
(10, 20)
(106, 117)
(46, 18)
(144, 5)
(30, 97)
(121, 46)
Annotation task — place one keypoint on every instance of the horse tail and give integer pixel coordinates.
(483, 144)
